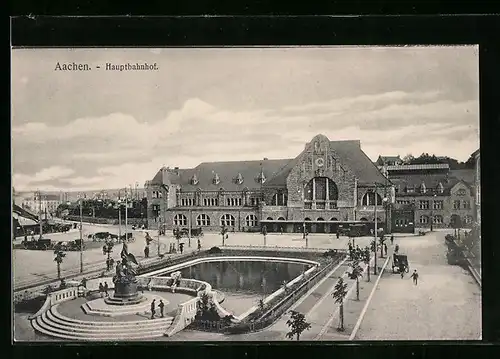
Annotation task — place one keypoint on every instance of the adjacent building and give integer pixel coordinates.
(329, 183)
(477, 184)
(39, 202)
(431, 196)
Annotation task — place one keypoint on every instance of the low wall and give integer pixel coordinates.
(278, 292)
(114, 221)
(229, 258)
(186, 313)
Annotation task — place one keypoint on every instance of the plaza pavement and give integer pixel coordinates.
(445, 305)
(32, 266)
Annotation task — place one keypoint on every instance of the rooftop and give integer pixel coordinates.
(238, 175)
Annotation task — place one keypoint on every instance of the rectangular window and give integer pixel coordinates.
(424, 205)
(239, 201)
(438, 204)
(466, 204)
(456, 204)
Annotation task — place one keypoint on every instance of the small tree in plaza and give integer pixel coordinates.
(264, 233)
(339, 295)
(356, 272)
(107, 249)
(59, 258)
(178, 236)
(381, 242)
(297, 324)
(223, 233)
(366, 260)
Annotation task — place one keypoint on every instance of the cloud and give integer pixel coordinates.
(47, 174)
(117, 149)
(78, 181)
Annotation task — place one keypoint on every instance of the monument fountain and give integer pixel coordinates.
(125, 283)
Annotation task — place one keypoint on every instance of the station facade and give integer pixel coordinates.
(330, 183)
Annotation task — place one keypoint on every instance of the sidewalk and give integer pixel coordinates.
(445, 305)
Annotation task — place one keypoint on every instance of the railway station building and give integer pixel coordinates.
(327, 185)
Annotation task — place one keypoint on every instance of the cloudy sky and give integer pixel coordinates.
(104, 129)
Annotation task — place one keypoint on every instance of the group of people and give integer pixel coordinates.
(161, 306)
(103, 289)
(172, 247)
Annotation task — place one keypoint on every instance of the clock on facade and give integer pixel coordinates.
(320, 162)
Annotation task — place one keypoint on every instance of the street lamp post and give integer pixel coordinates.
(126, 213)
(432, 212)
(81, 236)
(40, 212)
(375, 230)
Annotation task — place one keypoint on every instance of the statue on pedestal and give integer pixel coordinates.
(126, 286)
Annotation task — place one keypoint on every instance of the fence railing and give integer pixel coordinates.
(277, 309)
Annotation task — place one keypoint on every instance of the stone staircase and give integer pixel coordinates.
(53, 324)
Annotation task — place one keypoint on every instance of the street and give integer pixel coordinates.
(445, 305)
(32, 266)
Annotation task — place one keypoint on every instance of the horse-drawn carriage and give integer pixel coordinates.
(38, 244)
(184, 232)
(400, 263)
(102, 236)
(71, 246)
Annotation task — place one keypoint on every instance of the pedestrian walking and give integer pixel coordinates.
(338, 234)
(161, 306)
(146, 251)
(181, 247)
(153, 308)
(199, 245)
(385, 249)
(396, 249)
(101, 289)
(402, 271)
(414, 276)
(281, 230)
(392, 239)
(106, 287)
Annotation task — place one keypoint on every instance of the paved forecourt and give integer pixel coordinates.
(445, 305)
(33, 266)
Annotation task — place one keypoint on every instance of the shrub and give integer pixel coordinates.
(239, 328)
(214, 250)
(330, 253)
(450, 238)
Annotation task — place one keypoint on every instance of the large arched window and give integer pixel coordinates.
(363, 219)
(251, 220)
(279, 199)
(180, 220)
(424, 219)
(269, 218)
(281, 219)
(227, 220)
(334, 219)
(307, 219)
(320, 219)
(369, 199)
(203, 220)
(321, 189)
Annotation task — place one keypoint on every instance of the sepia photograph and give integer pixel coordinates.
(209, 194)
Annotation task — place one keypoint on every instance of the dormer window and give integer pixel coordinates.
(216, 179)
(423, 189)
(194, 180)
(440, 188)
(261, 178)
(239, 179)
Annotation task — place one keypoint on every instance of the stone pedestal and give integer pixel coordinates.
(126, 292)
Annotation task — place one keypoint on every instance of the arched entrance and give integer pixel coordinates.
(333, 226)
(320, 227)
(308, 224)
